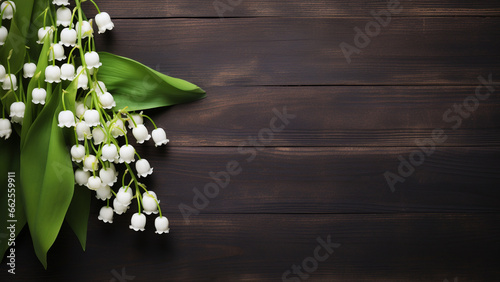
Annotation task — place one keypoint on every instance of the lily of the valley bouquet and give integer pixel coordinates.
(71, 119)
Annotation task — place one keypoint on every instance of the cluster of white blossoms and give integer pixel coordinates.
(98, 127)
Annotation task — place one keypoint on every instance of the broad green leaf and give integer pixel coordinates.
(9, 162)
(16, 40)
(140, 87)
(48, 181)
(78, 213)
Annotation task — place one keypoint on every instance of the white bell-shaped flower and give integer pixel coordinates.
(103, 21)
(2, 73)
(138, 222)
(91, 117)
(77, 153)
(52, 74)
(38, 96)
(90, 163)
(161, 224)
(106, 214)
(159, 137)
(8, 8)
(83, 131)
(67, 72)
(94, 183)
(107, 100)
(5, 128)
(63, 16)
(83, 81)
(9, 82)
(68, 37)
(3, 35)
(57, 51)
(137, 118)
(103, 193)
(85, 29)
(124, 195)
(44, 31)
(81, 177)
(109, 153)
(117, 128)
(127, 154)
(92, 60)
(149, 200)
(17, 111)
(141, 133)
(80, 109)
(143, 168)
(99, 87)
(60, 2)
(98, 135)
(108, 176)
(29, 70)
(118, 207)
(66, 119)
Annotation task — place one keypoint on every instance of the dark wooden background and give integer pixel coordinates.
(323, 175)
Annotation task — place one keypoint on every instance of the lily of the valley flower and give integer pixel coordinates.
(29, 70)
(52, 74)
(63, 16)
(109, 153)
(98, 135)
(78, 153)
(118, 207)
(90, 163)
(159, 137)
(2, 73)
(117, 128)
(124, 196)
(94, 183)
(17, 111)
(8, 7)
(127, 154)
(68, 37)
(138, 222)
(5, 128)
(149, 200)
(83, 131)
(108, 176)
(161, 224)
(100, 88)
(104, 193)
(137, 118)
(141, 133)
(106, 214)
(92, 60)
(44, 31)
(85, 29)
(67, 72)
(60, 2)
(107, 100)
(81, 177)
(3, 35)
(57, 52)
(80, 109)
(66, 119)
(143, 168)
(38, 96)
(9, 82)
(91, 117)
(103, 21)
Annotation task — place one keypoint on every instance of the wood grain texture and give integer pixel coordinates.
(231, 247)
(331, 116)
(303, 51)
(292, 8)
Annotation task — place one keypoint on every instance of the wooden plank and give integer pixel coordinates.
(299, 51)
(331, 116)
(405, 247)
(323, 180)
(291, 8)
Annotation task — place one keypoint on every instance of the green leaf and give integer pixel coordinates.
(16, 39)
(140, 87)
(9, 162)
(78, 213)
(47, 179)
